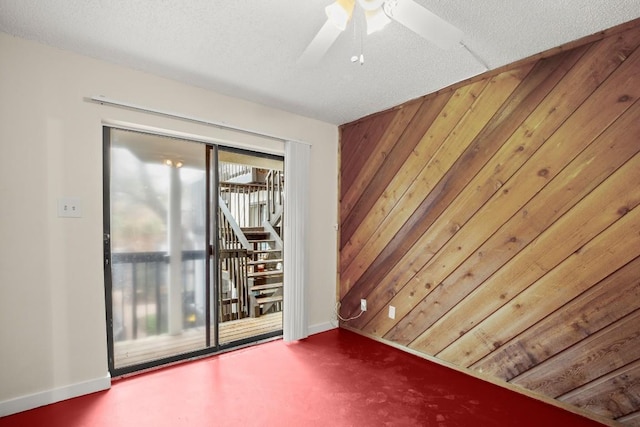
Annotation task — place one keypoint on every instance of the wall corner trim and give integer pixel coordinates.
(47, 397)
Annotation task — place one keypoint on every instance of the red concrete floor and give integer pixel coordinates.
(336, 378)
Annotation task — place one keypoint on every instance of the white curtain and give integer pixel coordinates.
(296, 254)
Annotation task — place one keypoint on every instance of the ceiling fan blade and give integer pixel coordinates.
(320, 44)
(423, 22)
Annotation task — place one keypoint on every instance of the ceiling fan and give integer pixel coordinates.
(378, 14)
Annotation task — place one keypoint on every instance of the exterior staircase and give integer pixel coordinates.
(264, 270)
(250, 245)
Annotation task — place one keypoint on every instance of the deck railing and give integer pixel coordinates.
(140, 292)
(140, 279)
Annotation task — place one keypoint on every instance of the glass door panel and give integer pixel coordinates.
(250, 292)
(158, 247)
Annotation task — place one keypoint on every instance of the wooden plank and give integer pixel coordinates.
(361, 145)
(352, 136)
(486, 183)
(632, 419)
(266, 286)
(577, 86)
(266, 273)
(424, 163)
(411, 137)
(610, 250)
(455, 252)
(265, 300)
(128, 353)
(575, 182)
(265, 261)
(608, 349)
(355, 180)
(590, 76)
(468, 131)
(375, 327)
(585, 315)
(249, 327)
(590, 216)
(379, 139)
(526, 181)
(535, 87)
(614, 395)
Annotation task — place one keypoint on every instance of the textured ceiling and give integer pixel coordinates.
(248, 48)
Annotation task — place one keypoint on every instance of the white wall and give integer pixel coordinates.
(52, 321)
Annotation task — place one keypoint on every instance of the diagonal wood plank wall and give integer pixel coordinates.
(500, 218)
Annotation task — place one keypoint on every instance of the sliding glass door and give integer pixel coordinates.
(192, 248)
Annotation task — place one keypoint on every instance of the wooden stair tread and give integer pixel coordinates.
(265, 273)
(265, 261)
(260, 240)
(266, 286)
(264, 251)
(264, 300)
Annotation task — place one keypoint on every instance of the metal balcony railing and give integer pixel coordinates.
(140, 292)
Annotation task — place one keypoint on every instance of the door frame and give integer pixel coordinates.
(212, 273)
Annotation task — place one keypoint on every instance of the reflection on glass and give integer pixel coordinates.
(158, 246)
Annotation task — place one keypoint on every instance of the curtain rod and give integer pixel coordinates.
(104, 100)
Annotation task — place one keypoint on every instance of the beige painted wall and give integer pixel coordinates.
(52, 322)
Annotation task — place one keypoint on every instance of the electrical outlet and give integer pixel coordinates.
(363, 304)
(392, 312)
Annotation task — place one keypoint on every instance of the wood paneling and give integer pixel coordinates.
(500, 218)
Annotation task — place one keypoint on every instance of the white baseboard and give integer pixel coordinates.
(322, 327)
(31, 401)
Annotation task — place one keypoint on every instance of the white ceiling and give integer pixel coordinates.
(248, 48)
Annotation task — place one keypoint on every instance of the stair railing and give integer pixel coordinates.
(234, 256)
(230, 230)
(229, 171)
(247, 202)
(275, 195)
(245, 205)
(277, 244)
(273, 234)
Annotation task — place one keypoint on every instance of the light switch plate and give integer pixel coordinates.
(69, 207)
